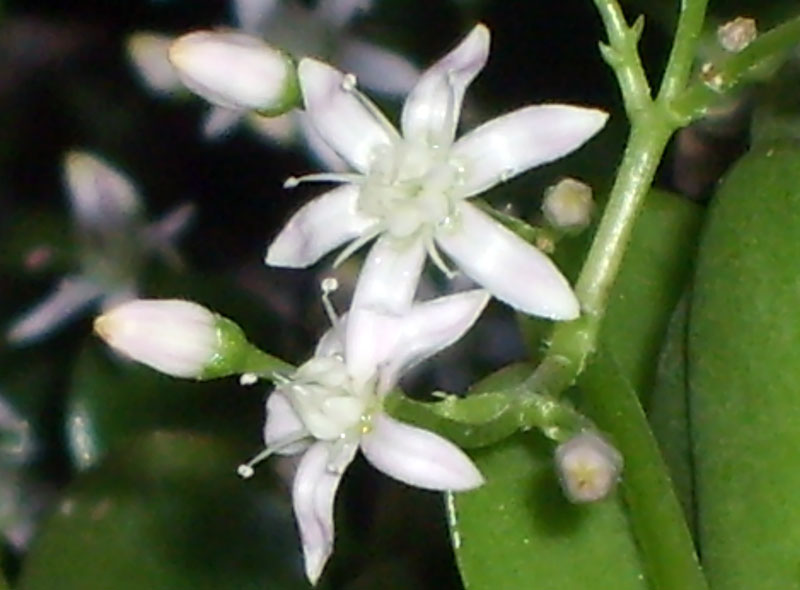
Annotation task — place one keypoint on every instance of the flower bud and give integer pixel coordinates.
(176, 337)
(588, 467)
(568, 205)
(737, 34)
(236, 71)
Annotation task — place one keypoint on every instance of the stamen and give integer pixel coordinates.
(329, 285)
(357, 243)
(248, 379)
(349, 82)
(343, 177)
(370, 106)
(438, 261)
(246, 471)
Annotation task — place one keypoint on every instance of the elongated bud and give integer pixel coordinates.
(588, 467)
(568, 205)
(236, 71)
(176, 337)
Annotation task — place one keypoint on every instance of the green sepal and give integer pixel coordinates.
(235, 355)
(291, 98)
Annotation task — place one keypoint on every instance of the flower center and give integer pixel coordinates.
(409, 188)
(322, 394)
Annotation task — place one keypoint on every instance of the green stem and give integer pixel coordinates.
(681, 59)
(259, 363)
(719, 80)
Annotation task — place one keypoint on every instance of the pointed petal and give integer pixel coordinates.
(384, 291)
(340, 12)
(282, 422)
(431, 111)
(148, 53)
(101, 197)
(378, 69)
(428, 328)
(71, 296)
(251, 15)
(313, 494)
(507, 266)
(220, 121)
(318, 148)
(321, 225)
(517, 141)
(418, 457)
(348, 122)
(390, 275)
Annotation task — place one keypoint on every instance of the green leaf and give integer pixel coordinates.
(519, 531)
(166, 512)
(654, 274)
(655, 512)
(669, 408)
(744, 370)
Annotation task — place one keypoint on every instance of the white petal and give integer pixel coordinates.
(251, 15)
(101, 197)
(161, 235)
(351, 125)
(384, 291)
(506, 265)
(431, 111)
(418, 457)
(281, 129)
(148, 52)
(71, 296)
(220, 121)
(517, 141)
(282, 422)
(428, 328)
(340, 12)
(389, 277)
(313, 495)
(378, 69)
(321, 225)
(318, 148)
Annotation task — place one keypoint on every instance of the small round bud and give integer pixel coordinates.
(737, 34)
(236, 71)
(173, 336)
(588, 467)
(568, 205)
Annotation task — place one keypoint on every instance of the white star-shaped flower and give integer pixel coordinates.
(114, 238)
(412, 191)
(332, 406)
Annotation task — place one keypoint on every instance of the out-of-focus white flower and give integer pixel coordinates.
(332, 406)
(412, 190)
(568, 205)
(236, 71)
(588, 467)
(177, 337)
(114, 241)
(320, 31)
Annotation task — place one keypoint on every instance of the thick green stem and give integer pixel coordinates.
(573, 342)
(720, 79)
(681, 59)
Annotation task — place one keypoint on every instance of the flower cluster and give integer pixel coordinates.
(409, 191)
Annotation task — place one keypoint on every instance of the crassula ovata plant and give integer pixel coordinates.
(632, 434)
